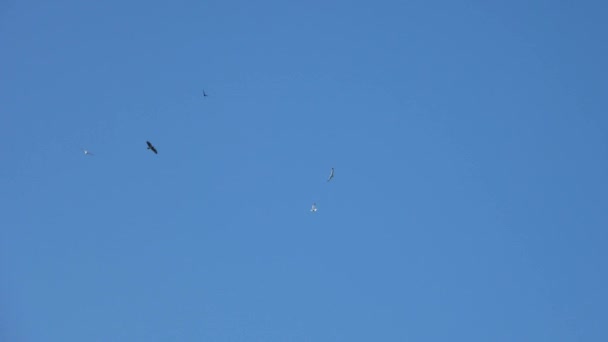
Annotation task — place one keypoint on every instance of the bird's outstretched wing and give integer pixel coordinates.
(331, 174)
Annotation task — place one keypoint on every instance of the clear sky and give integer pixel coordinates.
(469, 140)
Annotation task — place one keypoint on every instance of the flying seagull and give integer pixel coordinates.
(204, 94)
(331, 175)
(314, 208)
(151, 147)
(87, 152)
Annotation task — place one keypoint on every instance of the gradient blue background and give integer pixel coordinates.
(469, 141)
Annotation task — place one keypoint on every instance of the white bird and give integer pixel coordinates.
(314, 208)
(331, 175)
(87, 152)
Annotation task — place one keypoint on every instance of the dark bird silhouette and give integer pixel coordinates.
(204, 94)
(151, 147)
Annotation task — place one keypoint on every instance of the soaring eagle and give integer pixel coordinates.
(151, 147)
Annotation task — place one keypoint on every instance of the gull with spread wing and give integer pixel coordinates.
(331, 174)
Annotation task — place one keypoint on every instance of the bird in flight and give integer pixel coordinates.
(331, 175)
(87, 152)
(151, 147)
(204, 94)
(314, 208)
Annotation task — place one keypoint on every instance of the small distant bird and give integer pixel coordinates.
(87, 152)
(314, 208)
(204, 94)
(331, 175)
(151, 147)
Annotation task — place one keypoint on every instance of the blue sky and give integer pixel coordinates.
(468, 138)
